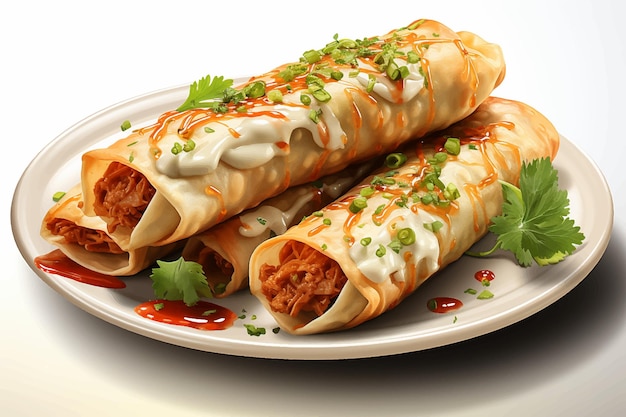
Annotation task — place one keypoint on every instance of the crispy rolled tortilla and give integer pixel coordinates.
(224, 250)
(85, 240)
(339, 105)
(386, 236)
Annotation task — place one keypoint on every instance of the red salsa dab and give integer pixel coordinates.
(202, 315)
(483, 275)
(444, 304)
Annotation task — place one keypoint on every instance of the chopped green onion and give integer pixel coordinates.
(158, 306)
(312, 56)
(189, 146)
(125, 125)
(321, 95)
(395, 160)
(253, 330)
(336, 75)
(485, 295)
(367, 191)
(177, 148)
(451, 192)
(452, 146)
(412, 57)
(358, 204)
(208, 130)
(314, 115)
(261, 220)
(366, 241)
(58, 196)
(305, 99)
(393, 71)
(255, 89)
(440, 157)
(275, 96)
(427, 199)
(327, 221)
(382, 181)
(434, 226)
(395, 245)
(380, 252)
(406, 236)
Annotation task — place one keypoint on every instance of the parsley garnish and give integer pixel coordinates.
(206, 93)
(180, 280)
(534, 223)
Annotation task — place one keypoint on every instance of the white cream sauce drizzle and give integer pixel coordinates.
(384, 87)
(257, 137)
(425, 249)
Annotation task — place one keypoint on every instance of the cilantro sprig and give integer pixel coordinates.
(207, 92)
(180, 280)
(534, 224)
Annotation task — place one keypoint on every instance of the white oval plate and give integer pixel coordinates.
(519, 292)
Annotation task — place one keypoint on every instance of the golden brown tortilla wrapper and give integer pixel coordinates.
(96, 249)
(496, 140)
(243, 158)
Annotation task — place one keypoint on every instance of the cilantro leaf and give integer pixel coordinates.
(534, 223)
(206, 92)
(180, 280)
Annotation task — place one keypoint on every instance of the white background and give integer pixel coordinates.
(63, 61)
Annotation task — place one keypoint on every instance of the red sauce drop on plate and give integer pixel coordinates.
(203, 315)
(56, 262)
(484, 274)
(443, 304)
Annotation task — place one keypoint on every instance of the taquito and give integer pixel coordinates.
(375, 245)
(86, 241)
(344, 103)
(224, 250)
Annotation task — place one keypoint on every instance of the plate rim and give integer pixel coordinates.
(260, 348)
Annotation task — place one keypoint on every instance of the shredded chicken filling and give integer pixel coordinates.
(122, 194)
(305, 280)
(215, 266)
(91, 240)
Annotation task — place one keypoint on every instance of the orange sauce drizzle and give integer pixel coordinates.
(196, 118)
(214, 192)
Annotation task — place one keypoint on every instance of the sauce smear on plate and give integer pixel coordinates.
(56, 262)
